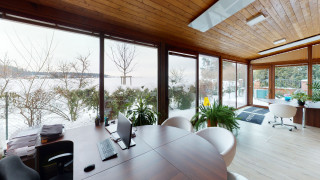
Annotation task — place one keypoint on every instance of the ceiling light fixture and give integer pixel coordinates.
(289, 45)
(217, 13)
(256, 20)
(280, 41)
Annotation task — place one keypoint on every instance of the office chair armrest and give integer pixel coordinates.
(61, 157)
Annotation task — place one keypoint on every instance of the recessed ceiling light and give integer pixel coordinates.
(256, 20)
(217, 13)
(289, 45)
(279, 41)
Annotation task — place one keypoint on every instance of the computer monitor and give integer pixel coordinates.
(124, 129)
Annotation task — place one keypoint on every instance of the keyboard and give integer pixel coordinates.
(106, 149)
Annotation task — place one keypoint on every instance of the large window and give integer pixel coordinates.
(242, 74)
(208, 78)
(130, 74)
(182, 86)
(49, 76)
(288, 79)
(229, 83)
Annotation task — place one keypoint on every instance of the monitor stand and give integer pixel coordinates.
(123, 146)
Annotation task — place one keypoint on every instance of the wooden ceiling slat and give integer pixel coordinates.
(169, 19)
(273, 13)
(270, 22)
(299, 15)
(283, 16)
(313, 4)
(307, 16)
(268, 31)
(293, 19)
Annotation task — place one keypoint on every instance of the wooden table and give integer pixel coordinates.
(306, 115)
(160, 153)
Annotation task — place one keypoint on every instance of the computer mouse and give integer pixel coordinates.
(89, 168)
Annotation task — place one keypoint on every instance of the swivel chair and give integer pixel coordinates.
(178, 122)
(12, 168)
(283, 111)
(55, 160)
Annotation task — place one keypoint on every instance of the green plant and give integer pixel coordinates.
(217, 114)
(300, 96)
(142, 114)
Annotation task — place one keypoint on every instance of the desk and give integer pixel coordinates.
(306, 115)
(160, 153)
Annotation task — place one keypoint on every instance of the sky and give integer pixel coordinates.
(20, 42)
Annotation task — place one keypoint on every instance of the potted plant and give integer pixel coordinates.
(142, 114)
(216, 115)
(300, 96)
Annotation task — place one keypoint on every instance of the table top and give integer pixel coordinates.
(309, 104)
(162, 152)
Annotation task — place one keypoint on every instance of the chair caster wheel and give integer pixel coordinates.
(295, 127)
(269, 122)
(290, 129)
(273, 126)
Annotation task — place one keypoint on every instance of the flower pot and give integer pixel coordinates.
(211, 125)
(301, 103)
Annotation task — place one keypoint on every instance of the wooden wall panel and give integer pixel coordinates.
(296, 55)
(316, 51)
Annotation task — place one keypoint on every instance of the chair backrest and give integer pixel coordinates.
(48, 169)
(283, 110)
(178, 122)
(223, 140)
(12, 167)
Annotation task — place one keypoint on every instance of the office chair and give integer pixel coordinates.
(55, 160)
(223, 140)
(178, 122)
(12, 168)
(283, 111)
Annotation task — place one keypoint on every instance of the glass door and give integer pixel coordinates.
(182, 84)
(261, 88)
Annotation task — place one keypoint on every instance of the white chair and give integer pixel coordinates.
(223, 140)
(235, 176)
(283, 111)
(178, 122)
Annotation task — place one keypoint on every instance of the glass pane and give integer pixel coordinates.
(208, 78)
(289, 79)
(315, 73)
(229, 84)
(182, 86)
(260, 86)
(242, 85)
(51, 77)
(131, 73)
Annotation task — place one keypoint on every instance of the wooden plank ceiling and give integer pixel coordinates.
(169, 19)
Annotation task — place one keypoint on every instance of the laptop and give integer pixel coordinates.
(124, 132)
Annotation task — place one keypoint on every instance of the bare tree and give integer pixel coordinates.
(5, 73)
(73, 81)
(32, 101)
(123, 55)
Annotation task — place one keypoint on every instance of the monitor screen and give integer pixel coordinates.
(124, 129)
